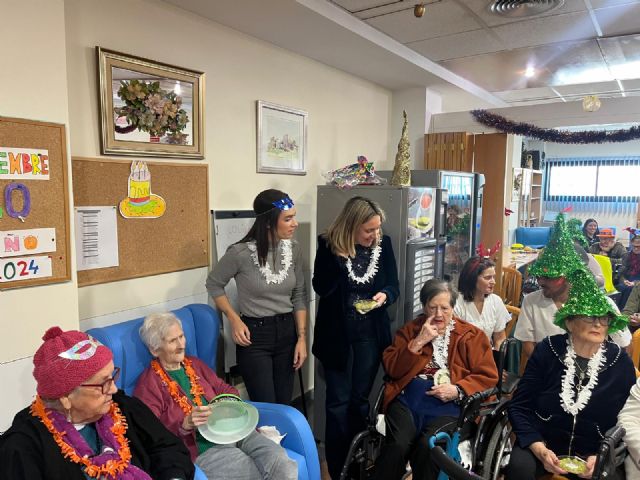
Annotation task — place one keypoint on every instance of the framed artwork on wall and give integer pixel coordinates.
(282, 139)
(149, 108)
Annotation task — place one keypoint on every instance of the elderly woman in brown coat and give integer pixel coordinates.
(434, 362)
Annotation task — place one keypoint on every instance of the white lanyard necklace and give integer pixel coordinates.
(372, 269)
(441, 346)
(570, 402)
(265, 270)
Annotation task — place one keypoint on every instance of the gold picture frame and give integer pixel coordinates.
(148, 108)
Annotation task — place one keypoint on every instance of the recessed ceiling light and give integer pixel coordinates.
(529, 72)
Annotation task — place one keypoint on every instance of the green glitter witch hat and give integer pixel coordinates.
(559, 257)
(586, 299)
(574, 225)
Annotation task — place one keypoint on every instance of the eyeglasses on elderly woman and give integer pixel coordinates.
(107, 384)
(604, 321)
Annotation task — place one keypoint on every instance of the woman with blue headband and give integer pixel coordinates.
(270, 328)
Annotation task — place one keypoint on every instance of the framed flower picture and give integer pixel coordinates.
(282, 139)
(149, 108)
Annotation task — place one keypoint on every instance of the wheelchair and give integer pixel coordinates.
(609, 460)
(480, 414)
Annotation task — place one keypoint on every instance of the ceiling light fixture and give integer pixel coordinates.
(419, 10)
(591, 103)
(530, 72)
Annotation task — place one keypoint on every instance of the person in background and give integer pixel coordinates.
(629, 418)
(573, 387)
(80, 426)
(479, 305)
(591, 263)
(270, 329)
(632, 308)
(354, 267)
(435, 361)
(178, 390)
(629, 271)
(608, 247)
(590, 230)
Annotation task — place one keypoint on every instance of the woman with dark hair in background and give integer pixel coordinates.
(270, 329)
(479, 305)
(629, 271)
(591, 230)
(356, 279)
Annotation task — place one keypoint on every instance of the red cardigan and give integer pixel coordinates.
(470, 359)
(151, 390)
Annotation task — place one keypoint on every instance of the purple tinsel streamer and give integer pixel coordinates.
(103, 427)
(505, 125)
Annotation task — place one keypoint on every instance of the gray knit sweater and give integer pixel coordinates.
(256, 298)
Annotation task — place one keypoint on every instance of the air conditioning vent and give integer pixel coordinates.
(523, 8)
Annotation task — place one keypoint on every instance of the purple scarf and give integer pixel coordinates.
(108, 439)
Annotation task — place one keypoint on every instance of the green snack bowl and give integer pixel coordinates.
(230, 421)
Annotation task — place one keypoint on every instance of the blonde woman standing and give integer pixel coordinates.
(354, 262)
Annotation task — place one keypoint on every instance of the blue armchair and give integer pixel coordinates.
(201, 325)
(536, 237)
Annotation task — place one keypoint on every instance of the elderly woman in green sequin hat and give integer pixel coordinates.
(572, 389)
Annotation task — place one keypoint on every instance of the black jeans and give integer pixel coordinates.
(347, 404)
(267, 364)
(402, 443)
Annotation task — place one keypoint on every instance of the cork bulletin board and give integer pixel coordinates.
(34, 186)
(178, 240)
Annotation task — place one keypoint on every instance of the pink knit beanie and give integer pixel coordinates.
(66, 360)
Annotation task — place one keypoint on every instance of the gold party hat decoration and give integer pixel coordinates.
(402, 168)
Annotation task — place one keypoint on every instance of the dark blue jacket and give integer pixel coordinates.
(535, 411)
(330, 344)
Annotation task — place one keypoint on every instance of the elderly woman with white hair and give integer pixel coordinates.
(178, 390)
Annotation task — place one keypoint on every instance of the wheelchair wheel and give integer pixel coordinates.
(498, 450)
(363, 451)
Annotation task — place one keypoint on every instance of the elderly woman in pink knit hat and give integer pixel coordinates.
(80, 426)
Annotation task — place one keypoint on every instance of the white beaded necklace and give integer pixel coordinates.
(265, 270)
(372, 269)
(570, 404)
(441, 346)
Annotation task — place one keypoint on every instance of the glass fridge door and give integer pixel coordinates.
(459, 222)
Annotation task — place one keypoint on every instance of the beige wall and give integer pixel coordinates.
(34, 86)
(347, 117)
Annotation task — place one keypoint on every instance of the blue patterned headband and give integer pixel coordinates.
(283, 204)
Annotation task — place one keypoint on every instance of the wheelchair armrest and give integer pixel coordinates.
(472, 404)
(298, 432)
(611, 453)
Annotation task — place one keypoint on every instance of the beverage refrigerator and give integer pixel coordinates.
(464, 214)
(416, 224)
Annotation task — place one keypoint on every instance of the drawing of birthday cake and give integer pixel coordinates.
(140, 202)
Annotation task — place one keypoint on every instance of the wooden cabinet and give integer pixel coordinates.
(449, 151)
(527, 185)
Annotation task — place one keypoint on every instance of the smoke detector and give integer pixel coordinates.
(523, 8)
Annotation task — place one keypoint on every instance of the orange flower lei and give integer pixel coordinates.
(111, 468)
(174, 388)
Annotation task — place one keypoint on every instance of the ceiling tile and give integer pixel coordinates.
(444, 18)
(588, 88)
(527, 94)
(544, 31)
(611, 3)
(557, 64)
(622, 55)
(480, 8)
(620, 20)
(631, 84)
(357, 5)
(459, 45)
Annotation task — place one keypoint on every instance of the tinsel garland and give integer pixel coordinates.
(505, 125)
